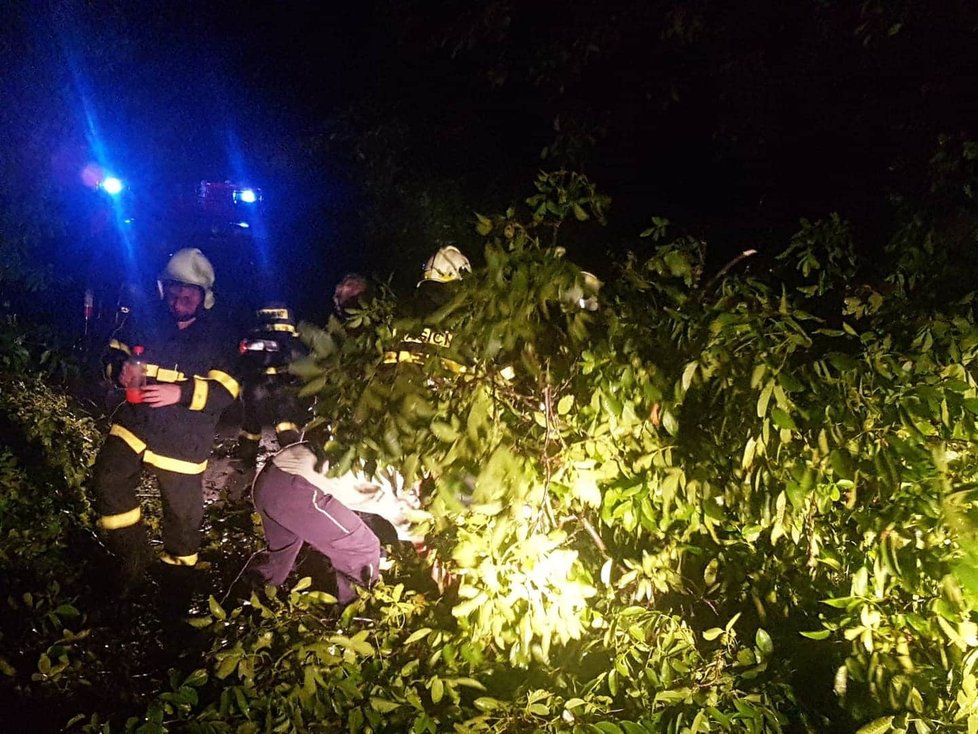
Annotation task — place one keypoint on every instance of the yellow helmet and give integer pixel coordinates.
(192, 267)
(446, 265)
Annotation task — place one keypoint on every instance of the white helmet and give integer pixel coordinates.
(190, 266)
(446, 265)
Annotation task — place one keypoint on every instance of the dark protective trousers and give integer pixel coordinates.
(269, 401)
(294, 512)
(116, 477)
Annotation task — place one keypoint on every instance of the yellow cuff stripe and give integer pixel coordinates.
(133, 441)
(275, 371)
(229, 383)
(122, 520)
(116, 344)
(200, 394)
(286, 426)
(161, 374)
(250, 436)
(172, 560)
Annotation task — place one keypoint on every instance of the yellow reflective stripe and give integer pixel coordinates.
(289, 328)
(116, 344)
(200, 394)
(172, 560)
(163, 462)
(178, 466)
(275, 370)
(122, 520)
(286, 426)
(229, 383)
(133, 441)
(250, 436)
(274, 313)
(162, 374)
(431, 336)
(165, 375)
(402, 356)
(453, 366)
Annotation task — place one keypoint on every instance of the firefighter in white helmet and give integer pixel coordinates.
(166, 425)
(446, 266)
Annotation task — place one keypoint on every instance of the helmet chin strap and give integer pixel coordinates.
(186, 318)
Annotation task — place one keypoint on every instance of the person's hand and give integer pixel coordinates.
(159, 396)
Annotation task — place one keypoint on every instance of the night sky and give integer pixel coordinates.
(732, 119)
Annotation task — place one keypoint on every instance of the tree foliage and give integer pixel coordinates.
(672, 502)
(789, 451)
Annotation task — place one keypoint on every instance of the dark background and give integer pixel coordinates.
(375, 129)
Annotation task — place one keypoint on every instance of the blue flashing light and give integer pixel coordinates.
(111, 185)
(247, 196)
(244, 225)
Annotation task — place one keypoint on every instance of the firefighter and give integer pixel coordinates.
(270, 393)
(349, 293)
(168, 425)
(446, 266)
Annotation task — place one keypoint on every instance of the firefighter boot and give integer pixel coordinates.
(247, 451)
(177, 586)
(129, 546)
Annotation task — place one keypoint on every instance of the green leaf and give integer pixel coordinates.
(196, 678)
(216, 610)
(483, 225)
(841, 462)
(437, 689)
(565, 405)
(816, 635)
(763, 641)
(417, 635)
(382, 705)
(782, 419)
(764, 399)
(443, 431)
(485, 703)
(878, 726)
(606, 727)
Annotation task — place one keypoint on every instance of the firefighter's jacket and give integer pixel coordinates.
(415, 348)
(198, 359)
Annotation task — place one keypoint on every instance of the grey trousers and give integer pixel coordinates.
(295, 512)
